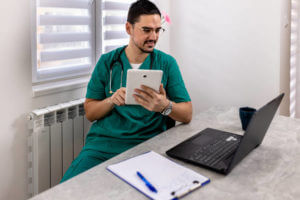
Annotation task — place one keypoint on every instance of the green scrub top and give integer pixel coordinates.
(128, 125)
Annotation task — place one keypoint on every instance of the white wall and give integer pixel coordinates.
(229, 51)
(164, 39)
(15, 98)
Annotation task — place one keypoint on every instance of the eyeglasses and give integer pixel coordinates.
(148, 30)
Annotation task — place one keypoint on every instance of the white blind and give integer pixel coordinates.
(295, 60)
(65, 37)
(114, 17)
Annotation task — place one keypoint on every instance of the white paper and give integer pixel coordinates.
(165, 175)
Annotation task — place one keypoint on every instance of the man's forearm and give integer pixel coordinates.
(95, 109)
(182, 112)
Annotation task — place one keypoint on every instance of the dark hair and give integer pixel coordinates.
(141, 7)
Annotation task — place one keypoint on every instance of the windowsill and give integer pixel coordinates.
(59, 86)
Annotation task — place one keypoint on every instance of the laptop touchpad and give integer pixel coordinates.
(202, 140)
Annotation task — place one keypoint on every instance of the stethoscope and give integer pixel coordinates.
(122, 66)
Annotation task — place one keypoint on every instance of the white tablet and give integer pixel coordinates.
(138, 77)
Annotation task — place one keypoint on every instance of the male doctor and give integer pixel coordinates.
(118, 127)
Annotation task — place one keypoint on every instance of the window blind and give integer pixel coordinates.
(114, 17)
(294, 60)
(65, 38)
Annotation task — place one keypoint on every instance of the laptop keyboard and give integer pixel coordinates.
(216, 151)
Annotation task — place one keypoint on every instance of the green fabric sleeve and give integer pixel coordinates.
(175, 88)
(96, 85)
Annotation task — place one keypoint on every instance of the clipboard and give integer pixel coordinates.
(171, 180)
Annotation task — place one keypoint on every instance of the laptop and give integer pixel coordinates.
(221, 151)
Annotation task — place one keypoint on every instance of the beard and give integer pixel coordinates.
(142, 49)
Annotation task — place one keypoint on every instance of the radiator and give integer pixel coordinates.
(57, 135)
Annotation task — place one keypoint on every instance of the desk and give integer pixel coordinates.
(270, 172)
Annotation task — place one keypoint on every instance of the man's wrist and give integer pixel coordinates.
(109, 99)
(165, 105)
(167, 109)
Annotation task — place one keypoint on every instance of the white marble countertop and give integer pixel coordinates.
(269, 172)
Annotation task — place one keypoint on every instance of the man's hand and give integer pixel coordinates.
(150, 99)
(118, 98)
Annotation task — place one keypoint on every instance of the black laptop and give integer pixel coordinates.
(222, 151)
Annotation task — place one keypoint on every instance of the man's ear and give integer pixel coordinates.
(128, 28)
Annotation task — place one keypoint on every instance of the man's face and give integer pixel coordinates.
(144, 33)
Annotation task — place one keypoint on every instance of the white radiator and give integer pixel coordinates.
(57, 135)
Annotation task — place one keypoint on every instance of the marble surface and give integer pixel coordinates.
(269, 172)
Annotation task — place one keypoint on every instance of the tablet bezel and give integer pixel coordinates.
(136, 78)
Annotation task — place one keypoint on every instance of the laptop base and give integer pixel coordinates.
(210, 148)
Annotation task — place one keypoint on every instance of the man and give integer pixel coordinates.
(118, 127)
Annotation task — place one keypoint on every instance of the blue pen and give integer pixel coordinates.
(148, 184)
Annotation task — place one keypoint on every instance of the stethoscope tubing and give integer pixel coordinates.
(122, 66)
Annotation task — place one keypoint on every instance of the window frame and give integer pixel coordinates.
(44, 76)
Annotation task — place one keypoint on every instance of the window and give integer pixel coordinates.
(69, 37)
(114, 16)
(64, 39)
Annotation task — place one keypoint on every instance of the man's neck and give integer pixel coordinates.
(134, 54)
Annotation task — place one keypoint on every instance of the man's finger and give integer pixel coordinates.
(120, 99)
(162, 90)
(149, 90)
(122, 92)
(144, 94)
(122, 96)
(141, 101)
(116, 101)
